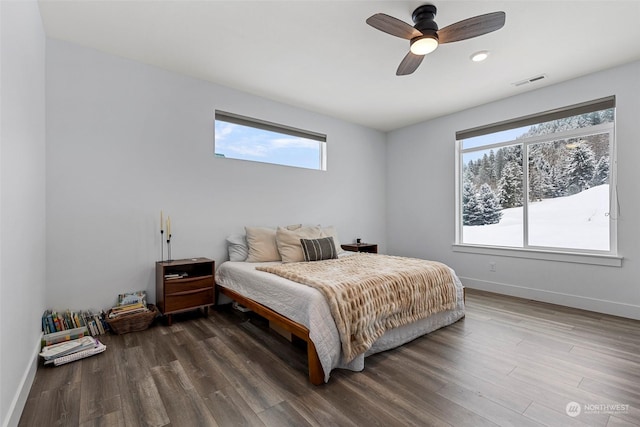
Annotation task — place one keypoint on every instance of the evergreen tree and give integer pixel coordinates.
(601, 175)
(486, 168)
(491, 211)
(493, 176)
(513, 153)
(474, 211)
(500, 162)
(559, 182)
(510, 186)
(540, 177)
(580, 168)
(471, 203)
(474, 169)
(468, 192)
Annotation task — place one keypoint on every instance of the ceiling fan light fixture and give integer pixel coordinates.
(424, 45)
(425, 35)
(480, 56)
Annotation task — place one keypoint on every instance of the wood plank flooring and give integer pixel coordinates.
(509, 362)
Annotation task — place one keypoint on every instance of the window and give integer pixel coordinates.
(558, 199)
(245, 138)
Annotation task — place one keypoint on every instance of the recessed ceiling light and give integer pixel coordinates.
(480, 56)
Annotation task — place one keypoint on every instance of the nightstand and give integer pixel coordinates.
(184, 284)
(361, 247)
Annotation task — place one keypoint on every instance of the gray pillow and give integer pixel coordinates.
(237, 247)
(318, 249)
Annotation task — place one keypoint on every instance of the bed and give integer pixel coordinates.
(305, 312)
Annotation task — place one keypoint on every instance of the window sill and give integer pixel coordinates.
(575, 257)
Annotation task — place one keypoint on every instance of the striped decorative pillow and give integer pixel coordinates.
(318, 249)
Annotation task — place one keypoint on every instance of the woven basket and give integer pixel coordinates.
(133, 322)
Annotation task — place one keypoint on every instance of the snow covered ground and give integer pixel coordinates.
(580, 221)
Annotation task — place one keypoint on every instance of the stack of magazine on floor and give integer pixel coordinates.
(127, 309)
(71, 350)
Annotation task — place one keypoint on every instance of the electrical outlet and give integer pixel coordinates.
(492, 266)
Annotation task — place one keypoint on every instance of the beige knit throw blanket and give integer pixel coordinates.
(369, 294)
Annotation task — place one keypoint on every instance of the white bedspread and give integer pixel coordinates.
(308, 307)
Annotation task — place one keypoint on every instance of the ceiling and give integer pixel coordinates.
(322, 56)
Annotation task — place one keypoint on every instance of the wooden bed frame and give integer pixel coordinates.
(316, 373)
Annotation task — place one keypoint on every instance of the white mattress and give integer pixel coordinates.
(308, 307)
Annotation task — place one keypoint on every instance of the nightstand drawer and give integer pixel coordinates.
(188, 284)
(188, 299)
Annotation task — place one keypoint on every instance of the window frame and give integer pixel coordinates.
(237, 119)
(608, 258)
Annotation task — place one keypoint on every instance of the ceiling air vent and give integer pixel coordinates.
(530, 80)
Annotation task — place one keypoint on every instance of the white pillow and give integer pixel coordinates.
(262, 243)
(330, 231)
(237, 247)
(288, 242)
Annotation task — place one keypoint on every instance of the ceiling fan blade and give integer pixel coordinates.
(472, 27)
(409, 64)
(393, 26)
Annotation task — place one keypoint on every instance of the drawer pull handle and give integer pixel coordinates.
(194, 291)
(189, 279)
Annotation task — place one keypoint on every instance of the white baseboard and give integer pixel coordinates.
(576, 301)
(22, 393)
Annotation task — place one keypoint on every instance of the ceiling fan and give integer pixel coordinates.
(425, 35)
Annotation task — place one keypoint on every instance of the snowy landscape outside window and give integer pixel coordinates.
(559, 199)
(245, 138)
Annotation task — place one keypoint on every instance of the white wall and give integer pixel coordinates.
(125, 140)
(22, 201)
(421, 202)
